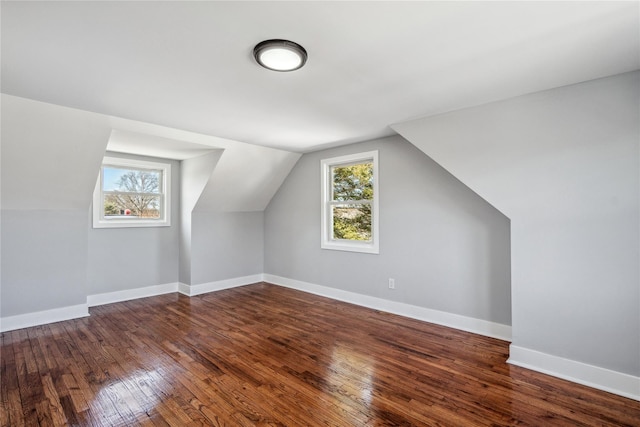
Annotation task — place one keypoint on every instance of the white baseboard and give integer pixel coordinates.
(183, 288)
(27, 320)
(129, 294)
(577, 372)
(469, 324)
(203, 288)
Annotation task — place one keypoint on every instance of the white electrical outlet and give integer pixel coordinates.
(392, 283)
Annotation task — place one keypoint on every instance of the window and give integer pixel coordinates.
(132, 193)
(350, 203)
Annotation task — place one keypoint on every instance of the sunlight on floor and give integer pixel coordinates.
(358, 368)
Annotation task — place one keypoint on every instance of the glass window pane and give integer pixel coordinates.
(352, 222)
(131, 180)
(131, 206)
(353, 182)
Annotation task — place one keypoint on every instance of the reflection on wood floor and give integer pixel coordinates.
(267, 355)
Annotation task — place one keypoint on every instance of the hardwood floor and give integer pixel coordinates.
(266, 355)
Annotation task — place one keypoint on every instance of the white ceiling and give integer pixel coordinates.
(189, 65)
(145, 144)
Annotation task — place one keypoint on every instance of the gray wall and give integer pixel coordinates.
(226, 245)
(195, 173)
(564, 165)
(53, 259)
(44, 260)
(446, 247)
(50, 161)
(128, 258)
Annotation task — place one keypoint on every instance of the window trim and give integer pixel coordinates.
(327, 242)
(99, 221)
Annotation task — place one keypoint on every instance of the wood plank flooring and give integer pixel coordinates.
(270, 356)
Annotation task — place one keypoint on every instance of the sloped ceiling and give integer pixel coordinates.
(155, 146)
(51, 156)
(189, 65)
(243, 177)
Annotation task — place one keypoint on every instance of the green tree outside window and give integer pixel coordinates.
(352, 184)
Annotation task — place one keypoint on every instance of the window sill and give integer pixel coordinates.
(351, 246)
(130, 224)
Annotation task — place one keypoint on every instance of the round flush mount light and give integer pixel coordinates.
(280, 55)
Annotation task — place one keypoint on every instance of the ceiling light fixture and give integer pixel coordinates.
(280, 55)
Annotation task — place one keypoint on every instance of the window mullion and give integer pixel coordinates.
(349, 202)
(131, 193)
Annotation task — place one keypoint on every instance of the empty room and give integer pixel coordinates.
(320, 213)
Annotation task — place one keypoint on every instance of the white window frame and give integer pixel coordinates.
(327, 240)
(99, 220)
